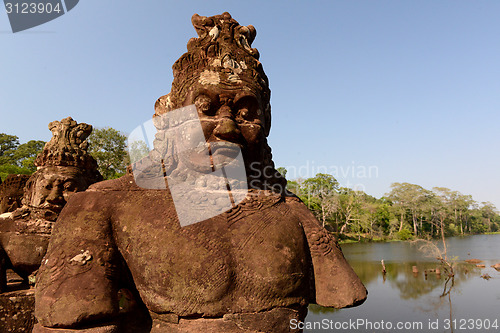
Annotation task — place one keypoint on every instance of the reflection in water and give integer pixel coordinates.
(319, 309)
(424, 297)
(400, 276)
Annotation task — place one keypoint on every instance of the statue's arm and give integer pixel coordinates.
(335, 283)
(76, 284)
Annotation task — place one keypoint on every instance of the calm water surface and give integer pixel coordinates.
(413, 300)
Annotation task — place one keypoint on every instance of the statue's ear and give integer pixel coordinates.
(163, 105)
(267, 119)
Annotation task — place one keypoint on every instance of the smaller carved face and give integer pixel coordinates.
(233, 116)
(54, 185)
(10, 200)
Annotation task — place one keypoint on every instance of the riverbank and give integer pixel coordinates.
(348, 238)
(363, 238)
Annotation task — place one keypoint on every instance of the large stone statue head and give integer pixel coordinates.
(63, 168)
(222, 76)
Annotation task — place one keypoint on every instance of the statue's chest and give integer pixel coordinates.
(252, 247)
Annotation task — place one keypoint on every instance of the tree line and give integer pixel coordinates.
(107, 145)
(408, 211)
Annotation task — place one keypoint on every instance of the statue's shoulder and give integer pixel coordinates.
(294, 201)
(300, 210)
(124, 183)
(292, 198)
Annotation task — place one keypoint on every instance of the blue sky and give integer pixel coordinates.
(373, 92)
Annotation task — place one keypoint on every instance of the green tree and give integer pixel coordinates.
(108, 147)
(409, 200)
(8, 145)
(282, 171)
(462, 205)
(9, 169)
(489, 216)
(294, 186)
(383, 216)
(368, 215)
(443, 210)
(374, 215)
(349, 203)
(136, 151)
(477, 223)
(16, 158)
(25, 154)
(321, 192)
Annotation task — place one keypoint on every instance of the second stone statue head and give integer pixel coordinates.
(63, 167)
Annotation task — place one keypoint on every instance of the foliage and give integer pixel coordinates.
(405, 234)
(18, 158)
(8, 144)
(108, 147)
(282, 171)
(408, 211)
(322, 195)
(137, 150)
(25, 154)
(7, 169)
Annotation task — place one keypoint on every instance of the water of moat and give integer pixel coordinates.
(414, 301)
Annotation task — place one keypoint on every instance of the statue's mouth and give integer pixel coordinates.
(224, 149)
(46, 211)
(52, 207)
(211, 156)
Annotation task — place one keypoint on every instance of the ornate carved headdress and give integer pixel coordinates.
(221, 55)
(68, 146)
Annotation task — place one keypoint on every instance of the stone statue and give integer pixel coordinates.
(11, 193)
(122, 260)
(63, 167)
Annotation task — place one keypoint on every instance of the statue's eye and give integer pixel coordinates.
(248, 109)
(203, 104)
(245, 113)
(69, 186)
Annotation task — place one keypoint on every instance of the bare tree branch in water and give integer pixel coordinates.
(431, 250)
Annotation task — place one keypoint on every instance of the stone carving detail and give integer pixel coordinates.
(11, 193)
(120, 250)
(68, 146)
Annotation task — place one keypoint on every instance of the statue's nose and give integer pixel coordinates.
(225, 112)
(55, 196)
(226, 129)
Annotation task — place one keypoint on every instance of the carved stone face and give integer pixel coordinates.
(233, 116)
(12, 194)
(10, 202)
(54, 185)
